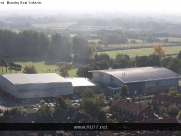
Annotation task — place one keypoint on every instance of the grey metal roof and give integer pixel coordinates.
(139, 74)
(78, 81)
(34, 78)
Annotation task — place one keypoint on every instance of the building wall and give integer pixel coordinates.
(8, 87)
(159, 85)
(105, 78)
(135, 88)
(80, 89)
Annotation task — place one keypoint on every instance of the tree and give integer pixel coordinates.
(173, 110)
(63, 68)
(60, 103)
(133, 99)
(163, 111)
(174, 65)
(124, 91)
(173, 92)
(13, 66)
(154, 60)
(165, 61)
(101, 117)
(44, 109)
(179, 55)
(30, 69)
(88, 93)
(179, 115)
(158, 50)
(150, 38)
(89, 106)
(141, 61)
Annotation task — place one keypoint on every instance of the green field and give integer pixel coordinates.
(41, 68)
(170, 39)
(142, 51)
(94, 40)
(72, 35)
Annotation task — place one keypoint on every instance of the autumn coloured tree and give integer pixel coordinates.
(158, 50)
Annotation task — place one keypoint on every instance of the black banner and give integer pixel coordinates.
(88, 126)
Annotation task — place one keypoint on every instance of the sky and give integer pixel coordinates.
(168, 6)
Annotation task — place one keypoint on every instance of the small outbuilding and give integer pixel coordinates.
(80, 84)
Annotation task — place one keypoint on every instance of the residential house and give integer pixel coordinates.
(125, 109)
(165, 100)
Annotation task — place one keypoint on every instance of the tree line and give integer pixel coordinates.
(29, 43)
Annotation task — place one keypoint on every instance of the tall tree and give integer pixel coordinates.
(174, 65)
(179, 55)
(60, 103)
(124, 91)
(173, 110)
(63, 68)
(158, 50)
(163, 111)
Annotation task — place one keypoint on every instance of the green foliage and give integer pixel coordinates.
(63, 68)
(173, 110)
(173, 92)
(124, 91)
(30, 69)
(61, 103)
(174, 65)
(44, 109)
(179, 55)
(101, 117)
(179, 115)
(163, 111)
(90, 106)
(150, 38)
(88, 93)
(83, 70)
(133, 99)
(165, 61)
(81, 49)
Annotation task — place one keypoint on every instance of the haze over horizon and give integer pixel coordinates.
(93, 6)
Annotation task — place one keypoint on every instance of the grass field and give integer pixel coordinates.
(94, 40)
(41, 68)
(170, 39)
(72, 35)
(142, 51)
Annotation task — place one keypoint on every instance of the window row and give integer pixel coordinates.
(160, 83)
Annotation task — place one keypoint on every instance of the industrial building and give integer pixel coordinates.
(140, 80)
(35, 86)
(80, 84)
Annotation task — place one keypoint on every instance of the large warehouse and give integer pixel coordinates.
(35, 86)
(140, 80)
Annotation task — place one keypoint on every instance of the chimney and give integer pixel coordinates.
(140, 106)
(128, 100)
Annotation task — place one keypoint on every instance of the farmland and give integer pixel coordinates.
(142, 51)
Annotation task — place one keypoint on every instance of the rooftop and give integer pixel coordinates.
(34, 78)
(139, 74)
(167, 98)
(76, 81)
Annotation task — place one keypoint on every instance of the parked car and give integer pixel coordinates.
(76, 104)
(34, 109)
(33, 106)
(37, 105)
(22, 101)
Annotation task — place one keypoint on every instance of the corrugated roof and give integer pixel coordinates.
(81, 81)
(139, 74)
(34, 78)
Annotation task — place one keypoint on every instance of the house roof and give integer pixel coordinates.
(166, 98)
(165, 120)
(140, 74)
(134, 107)
(34, 78)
